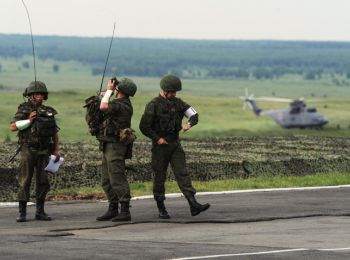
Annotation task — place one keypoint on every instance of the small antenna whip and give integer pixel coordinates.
(31, 34)
(109, 51)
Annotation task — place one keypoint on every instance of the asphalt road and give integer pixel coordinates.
(300, 224)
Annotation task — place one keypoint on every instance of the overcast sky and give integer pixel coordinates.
(185, 19)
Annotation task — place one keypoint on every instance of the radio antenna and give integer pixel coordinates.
(109, 51)
(31, 35)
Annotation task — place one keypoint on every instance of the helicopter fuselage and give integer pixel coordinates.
(296, 116)
(307, 118)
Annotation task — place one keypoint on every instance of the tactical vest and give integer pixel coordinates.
(43, 129)
(114, 121)
(168, 116)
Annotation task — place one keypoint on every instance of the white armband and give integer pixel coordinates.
(106, 96)
(190, 112)
(23, 124)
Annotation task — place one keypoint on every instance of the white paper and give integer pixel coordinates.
(52, 166)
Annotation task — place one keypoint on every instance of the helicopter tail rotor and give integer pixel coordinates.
(248, 100)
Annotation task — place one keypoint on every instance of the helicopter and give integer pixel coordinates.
(296, 116)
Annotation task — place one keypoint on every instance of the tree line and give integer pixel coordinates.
(241, 59)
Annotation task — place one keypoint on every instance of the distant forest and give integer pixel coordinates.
(240, 59)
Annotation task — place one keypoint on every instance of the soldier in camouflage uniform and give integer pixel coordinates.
(38, 138)
(162, 122)
(117, 116)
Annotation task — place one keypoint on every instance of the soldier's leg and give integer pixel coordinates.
(115, 156)
(42, 187)
(42, 179)
(178, 164)
(112, 197)
(160, 162)
(115, 153)
(25, 175)
(106, 182)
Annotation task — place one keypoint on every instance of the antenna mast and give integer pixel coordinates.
(31, 34)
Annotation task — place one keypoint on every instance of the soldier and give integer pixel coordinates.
(38, 138)
(162, 122)
(117, 117)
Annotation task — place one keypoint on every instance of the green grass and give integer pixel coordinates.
(145, 188)
(219, 116)
(216, 101)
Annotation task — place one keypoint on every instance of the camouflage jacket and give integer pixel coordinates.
(163, 118)
(117, 117)
(43, 129)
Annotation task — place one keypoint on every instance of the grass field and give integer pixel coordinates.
(216, 101)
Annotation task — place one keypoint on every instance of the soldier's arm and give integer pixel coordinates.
(192, 115)
(56, 141)
(20, 122)
(147, 122)
(105, 99)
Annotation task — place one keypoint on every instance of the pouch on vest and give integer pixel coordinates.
(127, 136)
(45, 126)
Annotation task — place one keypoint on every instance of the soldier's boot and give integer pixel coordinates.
(22, 205)
(163, 213)
(40, 212)
(112, 212)
(196, 207)
(124, 214)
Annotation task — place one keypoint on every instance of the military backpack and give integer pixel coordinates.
(93, 116)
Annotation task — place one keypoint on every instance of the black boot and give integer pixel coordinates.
(22, 205)
(40, 213)
(112, 212)
(124, 214)
(163, 213)
(196, 208)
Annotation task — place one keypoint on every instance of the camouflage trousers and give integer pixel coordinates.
(114, 180)
(174, 154)
(33, 160)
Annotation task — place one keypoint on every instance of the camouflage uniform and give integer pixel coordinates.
(36, 145)
(37, 142)
(162, 118)
(114, 128)
(114, 181)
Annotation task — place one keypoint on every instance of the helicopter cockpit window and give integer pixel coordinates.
(312, 110)
(295, 110)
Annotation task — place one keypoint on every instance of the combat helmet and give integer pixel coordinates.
(127, 87)
(36, 87)
(170, 83)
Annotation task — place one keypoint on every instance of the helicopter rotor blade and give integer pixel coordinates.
(274, 99)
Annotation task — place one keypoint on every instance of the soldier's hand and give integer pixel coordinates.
(32, 116)
(162, 141)
(102, 94)
(185, 127)
(111, 84)
(58, 156)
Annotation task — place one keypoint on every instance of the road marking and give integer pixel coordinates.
(242, 254)
(261, 253)
(13, 204)
(177, 195)
(335, 249)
